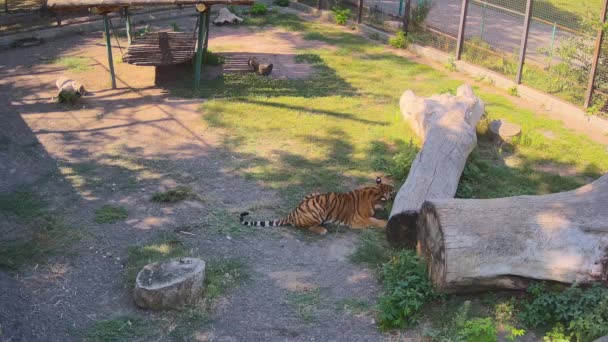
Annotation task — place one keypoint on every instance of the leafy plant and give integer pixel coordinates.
(513, 91)
(583, 312)
(557, 334)
(478, 330)
(450, 64)
(341, 14)
(400, 41)
(282, 3)
(258, 9)
(419, 13)
(406, 290)
(110, 214)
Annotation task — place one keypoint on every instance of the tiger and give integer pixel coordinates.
(354, 209)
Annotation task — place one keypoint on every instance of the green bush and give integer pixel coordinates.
(282, 3)
(406, 290)
(419, 13)
(258, 9)
(478, 330)
(583, 312)
(341, 14)
(400, 41)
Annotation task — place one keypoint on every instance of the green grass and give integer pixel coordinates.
(223, 275)
(307, 304)
(75, 64)
(119, 328)
(45, 231)
(110, 214)
(177, 194)
(354, 306)
(339, 128)
(372, 249)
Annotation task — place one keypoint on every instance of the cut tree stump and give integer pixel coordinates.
(226, 17)
(259, 68)
(68, 90)
(503, 132)
(447, 126)
(169, 284)
(472, 245)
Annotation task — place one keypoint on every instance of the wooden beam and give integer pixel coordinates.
(524, 42)
(75, 4)
(461, 26)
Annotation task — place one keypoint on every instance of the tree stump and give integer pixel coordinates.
(68, 91)
(226, 17)
(502, 243)
(169, 284)
(503, 132)
(260, 68)
(446, 124)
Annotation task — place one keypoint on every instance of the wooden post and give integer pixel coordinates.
(106, 26)
(406, 16)
(524, 42)
(128, 21)
(359, 11)
(202, 16)
(319, 4)
(596, 56)
(463, 21)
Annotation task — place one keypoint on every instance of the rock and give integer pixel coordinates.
(503, 132)
(169, 284)
(263, 69)
(226, 17)
(602, 339)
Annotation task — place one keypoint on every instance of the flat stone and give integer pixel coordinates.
(169, 284)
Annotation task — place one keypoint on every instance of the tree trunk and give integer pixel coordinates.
(406, 15)
(446, 124)
(502, 243)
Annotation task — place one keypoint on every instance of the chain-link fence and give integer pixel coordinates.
(560, 44)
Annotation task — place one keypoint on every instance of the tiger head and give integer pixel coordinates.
(384, 192)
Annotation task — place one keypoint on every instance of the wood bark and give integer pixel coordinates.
(502, 243)
(446, 124)
(169, 284)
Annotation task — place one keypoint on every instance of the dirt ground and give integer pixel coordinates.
(120, 146)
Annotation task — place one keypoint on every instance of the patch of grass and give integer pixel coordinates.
(46, 232)
(372, 249)
(213, 58)
(119, 328)
(307, 304)
(513, 91)
(177, 194)
(354, 306)
(258, 9)
(74, 64)
(110, 214)
(164, 247)
(227, 223)
(223, 275)
(400, 40)
(308, 58)
(175, 27)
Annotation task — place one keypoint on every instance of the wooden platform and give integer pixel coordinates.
(161, 49)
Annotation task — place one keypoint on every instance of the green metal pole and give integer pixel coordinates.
(106, 26)
(207, 21)
(400, 7)
(483, 20)
(199, 50)
(128, 20)
(552, 43)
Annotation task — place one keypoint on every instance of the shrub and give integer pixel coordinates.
(258, 9)
(282, 3)
(478, 330)
(419, 14)
(406, 290)
(400, 41)
(341, 14)
(583, 312)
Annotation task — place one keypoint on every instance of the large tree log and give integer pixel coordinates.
(446, 124)
(475, 244)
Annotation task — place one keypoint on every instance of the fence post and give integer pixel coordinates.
(318, 4)
(524, 41)
(359, 11)
(5, 6)
(406, 16)
(128, 23)
(400, 7)
(106, 27)
(463, 19)
(596, 56)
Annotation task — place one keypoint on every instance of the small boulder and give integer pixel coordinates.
(169, 284)
(226, 17)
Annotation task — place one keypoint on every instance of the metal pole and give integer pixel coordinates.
(483, 20)
(199, 50)
(360, 11)
(552, 43)
(596, 56)
(524, 42)
(207, 20)
(128, 20)
(5, 6)
(463, 20)
(406, 16)
(400, 7)
(106, 26)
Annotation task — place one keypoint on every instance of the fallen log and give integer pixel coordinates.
(446, 124)
(263, 69)
(472, 245)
